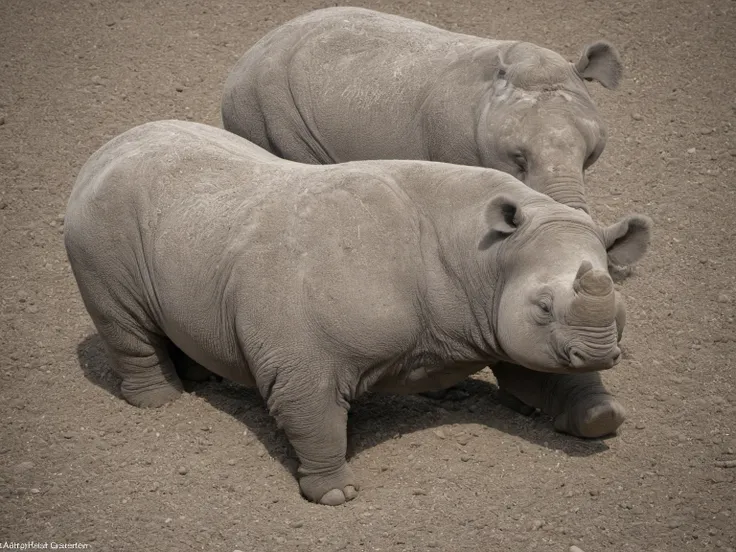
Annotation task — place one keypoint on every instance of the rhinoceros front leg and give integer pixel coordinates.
(579, 403)
(314, 418)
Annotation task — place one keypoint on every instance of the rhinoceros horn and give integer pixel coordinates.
(595, 301)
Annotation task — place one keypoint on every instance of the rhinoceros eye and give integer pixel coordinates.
(543, 305)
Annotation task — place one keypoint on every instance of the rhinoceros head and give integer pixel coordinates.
(557, 310)
(540, 124)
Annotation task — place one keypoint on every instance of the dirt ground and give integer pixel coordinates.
(209, 472)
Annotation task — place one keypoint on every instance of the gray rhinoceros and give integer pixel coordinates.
(318, 283)
(346, 84)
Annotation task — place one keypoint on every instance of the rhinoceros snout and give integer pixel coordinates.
(581, 360)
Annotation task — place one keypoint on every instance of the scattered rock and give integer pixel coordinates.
(463, 440)
(24, 466)
(639, 425)
(156, 485)
(418, 492)
(231, 462)
(168, 520)
(725, 463)
(2, 120)
(34, 490)
(464, 458)
(575, 549)
(594, 492)
(674, 524)
(439, 433)
(297, 524)
(723, 298)
(97, 80)
(706, 131)
(537, 524)
(183, 470)
(637, 117)
(3, 204)
(691, 150)
(180, 89)
(110, 23)
(33, 309)
(67, 434)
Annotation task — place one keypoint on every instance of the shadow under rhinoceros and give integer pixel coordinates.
(373, 418)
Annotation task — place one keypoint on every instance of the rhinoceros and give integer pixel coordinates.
(347, 84)
(317, 283)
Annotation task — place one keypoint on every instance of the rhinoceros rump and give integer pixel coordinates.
(318, 283)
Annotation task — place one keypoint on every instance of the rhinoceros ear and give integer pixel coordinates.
(627, 240)
(600, 62)
(503, 215)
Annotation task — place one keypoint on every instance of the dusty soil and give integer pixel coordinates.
(209, 472)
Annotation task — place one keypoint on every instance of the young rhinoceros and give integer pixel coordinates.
(345, 84)
(319, 283)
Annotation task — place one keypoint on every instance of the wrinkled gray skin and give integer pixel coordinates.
(318, 283)
(344, 84)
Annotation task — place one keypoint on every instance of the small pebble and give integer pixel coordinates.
(297, 524)
(2, 120)
(182, 470)
(674, 524)
(725, 463)
(639, 425)
(575, 549)
(637, 117)
(180, 89)
(464, 440)
(723, 298)
(594, 492)
(419, 492)
(231, 462)
(97, 80)
(439, 433)
(35, 490)
(465, 458)
(706, 131)
(537, 524)
(691, 150)
(24, 466)
(168, 520)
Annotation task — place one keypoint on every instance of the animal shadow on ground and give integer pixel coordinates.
(373, 418)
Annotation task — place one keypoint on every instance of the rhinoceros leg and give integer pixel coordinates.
(315, 422)
(138, 354)
(142, 361)
(579, 403)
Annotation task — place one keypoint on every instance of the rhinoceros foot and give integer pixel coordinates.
(592, 419)
(152, 396)
(330, 489)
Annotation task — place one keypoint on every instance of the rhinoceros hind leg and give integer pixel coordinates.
(143, 362)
